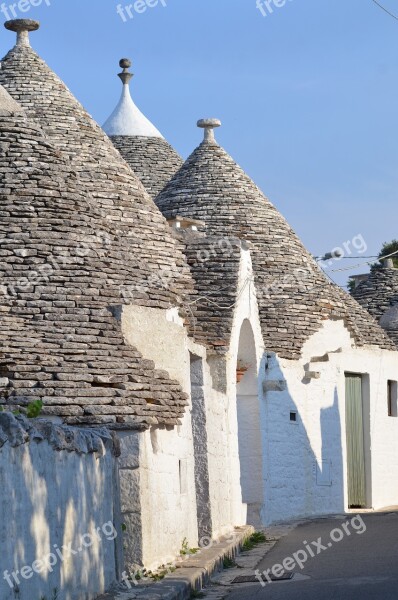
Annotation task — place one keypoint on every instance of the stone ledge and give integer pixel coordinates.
(194, 573)
(16, 430)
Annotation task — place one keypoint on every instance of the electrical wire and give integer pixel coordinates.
(385, 9)
(210, 301)
(207, 300)
(378, 256)
(322, 258)
(363, 263)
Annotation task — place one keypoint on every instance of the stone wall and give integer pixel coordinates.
(57, 511)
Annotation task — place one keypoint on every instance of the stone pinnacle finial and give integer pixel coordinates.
(125, 76)
(209, 125)
(22, 27)
(388, 263)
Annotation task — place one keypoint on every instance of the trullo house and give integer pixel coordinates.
(197, 369)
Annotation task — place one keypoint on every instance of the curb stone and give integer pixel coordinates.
(195, 572)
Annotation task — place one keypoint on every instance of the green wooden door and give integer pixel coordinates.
(355, 442)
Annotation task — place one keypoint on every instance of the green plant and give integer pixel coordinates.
(228, 562)
(138, 575)
(186, 550)
(159, 575)
(124, 527)
(195, 594)
(389, 248)
(258, 537)
(33, 410)
(54, 595)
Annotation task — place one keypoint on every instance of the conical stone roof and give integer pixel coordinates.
(60, 334)
(162, 276)
(294, 295)
(379, 296)
(143, 147)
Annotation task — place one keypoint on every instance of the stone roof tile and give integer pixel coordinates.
(162, 276)
(63, 271)
(378, 294)
(294, 295)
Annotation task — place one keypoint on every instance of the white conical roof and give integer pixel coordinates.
(127, 119)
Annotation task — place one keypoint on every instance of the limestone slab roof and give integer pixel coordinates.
(294, 295)
(64, 268)
(162, 275)
(215, 269)
(152, 160)
(378, 294)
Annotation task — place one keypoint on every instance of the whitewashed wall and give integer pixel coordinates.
(305, 469)
(223, 460)
(165, 479)
(286, 469)
(49, 500)
(167, 510)
(228, 507)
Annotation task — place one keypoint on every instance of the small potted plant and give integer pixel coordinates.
(241, 369)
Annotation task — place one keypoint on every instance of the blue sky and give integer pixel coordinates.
(307, 96)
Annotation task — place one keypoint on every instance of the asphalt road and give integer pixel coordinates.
(362, 566)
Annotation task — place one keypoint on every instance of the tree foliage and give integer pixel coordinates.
(389, 248)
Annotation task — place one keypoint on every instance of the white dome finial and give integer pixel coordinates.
(127, 119)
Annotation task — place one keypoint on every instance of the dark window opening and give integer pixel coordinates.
(392, 398)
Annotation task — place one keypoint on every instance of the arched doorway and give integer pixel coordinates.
(249, 430)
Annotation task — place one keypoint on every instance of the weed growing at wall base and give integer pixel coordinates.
(14, 10)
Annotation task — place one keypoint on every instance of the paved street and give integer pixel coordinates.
(362, 566)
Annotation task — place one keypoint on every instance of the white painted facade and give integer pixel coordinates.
(262, 467)
(236, 457)
(309, 477)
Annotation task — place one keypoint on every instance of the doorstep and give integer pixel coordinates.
(193, 574)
